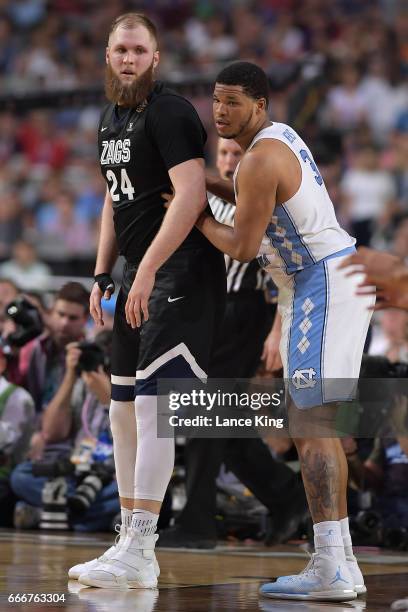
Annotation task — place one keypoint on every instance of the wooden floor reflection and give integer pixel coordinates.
(226, 579)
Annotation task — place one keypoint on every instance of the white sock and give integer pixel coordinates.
(328, 539)
(155, 455)
(126, 516)
(144, 522)
(345, 533)
(123, 426)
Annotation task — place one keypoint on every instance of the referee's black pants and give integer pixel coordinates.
(247, 322)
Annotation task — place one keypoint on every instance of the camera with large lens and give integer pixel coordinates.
(92, 356)
(99, 476)
(54, 510)
(62, 466)
(27, 319)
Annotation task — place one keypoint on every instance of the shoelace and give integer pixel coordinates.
(118, 529)
(309, 569)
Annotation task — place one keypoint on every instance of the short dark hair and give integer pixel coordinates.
(251, 77)
(131, 20)
(76, 293)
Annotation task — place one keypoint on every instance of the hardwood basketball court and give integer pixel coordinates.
(34, 562)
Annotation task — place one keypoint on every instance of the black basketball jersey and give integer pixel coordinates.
(137, 148)
(241, 276)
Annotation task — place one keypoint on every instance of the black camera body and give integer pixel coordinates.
(99, 475)
(62, 466)
(89, 482)
(92, 356)
(28, 322)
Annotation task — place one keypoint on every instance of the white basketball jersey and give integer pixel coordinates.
(304, 230)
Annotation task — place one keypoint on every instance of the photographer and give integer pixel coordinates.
(16, 425)
(42, 360)
(384, 472)
(75, 424)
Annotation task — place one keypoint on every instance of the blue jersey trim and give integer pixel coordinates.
(297, 233)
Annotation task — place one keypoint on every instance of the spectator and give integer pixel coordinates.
(42, 361)
(346, 106)
(369, 193)
(65, 232)
(16, 425)
(8, 292)
(392, 338)
(384, 472)
(74, 420)
(25, 268)
(11, 226)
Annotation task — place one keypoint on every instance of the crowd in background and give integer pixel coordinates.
(338, 73)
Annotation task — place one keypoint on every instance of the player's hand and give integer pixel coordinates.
(95, 308)
(385, 275)
(271, 355)
(371, 262)
(136, 306)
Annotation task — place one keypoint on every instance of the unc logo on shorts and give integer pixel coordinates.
(304, 379)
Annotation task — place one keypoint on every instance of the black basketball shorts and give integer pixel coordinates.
(186, 308)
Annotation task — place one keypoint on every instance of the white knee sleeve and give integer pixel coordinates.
(123, 425)
(155, 456)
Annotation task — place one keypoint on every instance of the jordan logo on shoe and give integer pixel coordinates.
(170, 299)
(338, 577)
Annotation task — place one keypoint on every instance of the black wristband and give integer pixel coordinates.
(105, 282)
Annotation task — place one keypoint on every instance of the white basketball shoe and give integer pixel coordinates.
(132, 565)
(83, 568)
(358, 579)
(352, 564)
(325, 578)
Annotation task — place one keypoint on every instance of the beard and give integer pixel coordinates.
(128, 95)
(242, 127)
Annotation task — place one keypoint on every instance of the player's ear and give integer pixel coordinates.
(156, 59)
(261, 105)
(107, 55)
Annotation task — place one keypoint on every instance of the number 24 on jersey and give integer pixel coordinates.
(126, 186)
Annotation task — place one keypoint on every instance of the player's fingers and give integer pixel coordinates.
(107, 295)
(366, 291)
(277, 364)
(96, 311)
(355, 269)
(137, 319)
(145, 309)
(349, 261)
(128, 310)
(269, 361)
(381, 305)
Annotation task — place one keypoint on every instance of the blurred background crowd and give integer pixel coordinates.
(339, 75)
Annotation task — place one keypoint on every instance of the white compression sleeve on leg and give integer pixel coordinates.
(155, 456)
(123, 425)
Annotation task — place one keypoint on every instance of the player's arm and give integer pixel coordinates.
(107, 255)
(256, 198)
(189, 201)
(222, 188)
